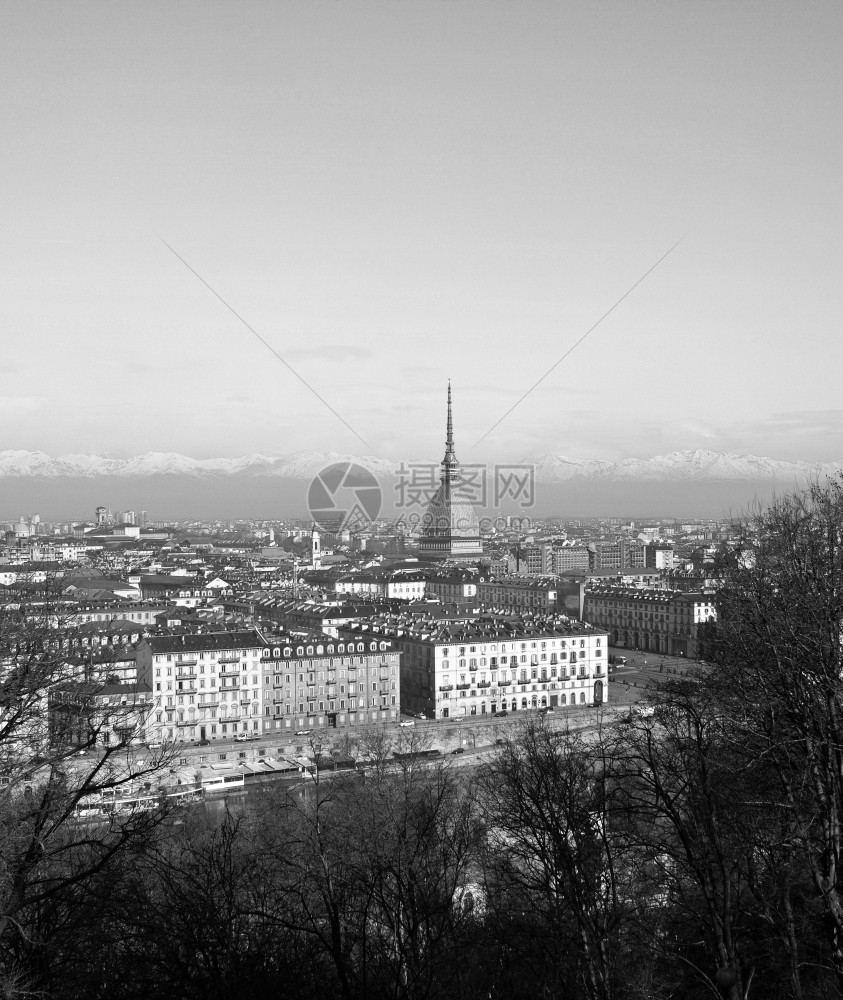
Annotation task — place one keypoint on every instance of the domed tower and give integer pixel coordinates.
(450, 529)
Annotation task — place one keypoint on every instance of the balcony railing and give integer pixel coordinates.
(446, 687)
(463, 687)
(484, 684)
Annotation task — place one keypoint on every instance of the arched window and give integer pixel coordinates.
(286, 650)
(310, 650)
(299, 650)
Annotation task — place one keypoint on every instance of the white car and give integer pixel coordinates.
(302, 732)
(241, 738)
(406, 722)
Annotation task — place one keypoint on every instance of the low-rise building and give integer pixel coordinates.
(383, 585)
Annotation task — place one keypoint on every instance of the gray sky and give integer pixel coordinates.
(397, 193)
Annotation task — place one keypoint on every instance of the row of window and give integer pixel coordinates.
(543, 644)
(515, 660)
(322, 650)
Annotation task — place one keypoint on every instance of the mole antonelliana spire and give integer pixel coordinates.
(450, 458)
(450, 529)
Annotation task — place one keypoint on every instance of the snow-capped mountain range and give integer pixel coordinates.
(676, 466)
(680, 465)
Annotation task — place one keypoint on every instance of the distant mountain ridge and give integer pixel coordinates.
(301, 465)
(699, 464)
(682, 465)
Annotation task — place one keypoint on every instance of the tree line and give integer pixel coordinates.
(689, 850)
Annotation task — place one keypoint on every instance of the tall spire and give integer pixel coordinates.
(450, 458)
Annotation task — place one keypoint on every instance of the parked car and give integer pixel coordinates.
(458, 750)
(203, 743)
(240, 738)
(502, 713)
(406, 722)
(302, 732)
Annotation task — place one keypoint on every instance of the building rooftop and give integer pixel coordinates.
(480, 626)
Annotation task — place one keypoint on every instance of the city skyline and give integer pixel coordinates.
(394, 196)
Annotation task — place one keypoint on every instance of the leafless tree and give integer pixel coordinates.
(45, 848)
(552, 855)
(777, 653)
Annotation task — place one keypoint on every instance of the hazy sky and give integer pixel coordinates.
(397, 193)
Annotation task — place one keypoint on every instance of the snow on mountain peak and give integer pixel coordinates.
(692, 464)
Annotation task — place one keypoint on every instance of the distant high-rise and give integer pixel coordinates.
(450, 529)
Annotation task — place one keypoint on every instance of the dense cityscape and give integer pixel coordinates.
(537, 717)
(421, 501)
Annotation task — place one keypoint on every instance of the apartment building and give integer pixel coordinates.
(570, 557)
(518, 595)
(620, 554)
(322, 680)
(452, 589)
(221, 684)
(205, 685)
(485, 664)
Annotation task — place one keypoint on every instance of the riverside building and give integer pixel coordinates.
(481, 664)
